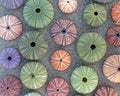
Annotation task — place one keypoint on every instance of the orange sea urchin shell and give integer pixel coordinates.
(116, 13)
(67, 6)
(113, 36)
(60, 60)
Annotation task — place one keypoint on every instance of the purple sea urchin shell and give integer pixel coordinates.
(10, 58)
(10, 86)
(12, 4)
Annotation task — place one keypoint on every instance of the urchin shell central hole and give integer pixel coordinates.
(60, 60)
(68, 1)
(92, 46)
(37, 10)
(8, 27)
(84, 79)
(9, 58)
(32, 44)
(7, 88)
(32, 75)
(64, 31)
(57, 90)
(118, 68)
(118, 35)
(95, 13)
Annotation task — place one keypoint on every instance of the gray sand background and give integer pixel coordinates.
(82, 28)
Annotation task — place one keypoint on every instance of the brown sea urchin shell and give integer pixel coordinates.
(106, 91)
(111, 68)
(67, 6)
(116, 13)
(60, 60)
(64, 32)
(113, 36)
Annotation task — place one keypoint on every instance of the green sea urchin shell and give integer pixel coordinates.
(33, 75)
(103, 1)
(33, 45)
(94, 15)
(38, 13)
(84, 79)
(32, 94)
(91, 47)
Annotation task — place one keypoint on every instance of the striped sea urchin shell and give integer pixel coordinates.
(33, 75)
(10, 58)
(111, 68)
(64, 32)
(32, 94)
(113, 36)
(103, 1)
(115, 13)
(12, 4)
(95, 15)
(10, 86)
(58, 87)
(10, 27)
(84, 79)
(38, 13)
(106, 91)
(67, 6)
(60, 60)
(91, 47)
(33, 45)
